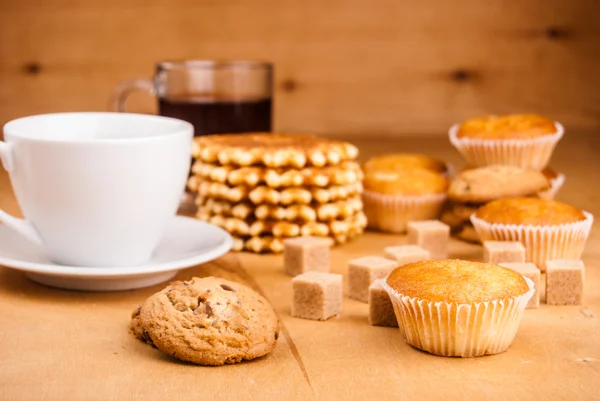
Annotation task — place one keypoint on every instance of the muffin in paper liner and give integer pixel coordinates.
(556, 184)
(391, 213)
(527, 153)
(542, 243)
(464, 330)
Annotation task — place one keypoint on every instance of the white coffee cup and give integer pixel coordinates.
(96, 189)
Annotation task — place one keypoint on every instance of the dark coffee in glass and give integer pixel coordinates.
(216, 97)
(212, 116)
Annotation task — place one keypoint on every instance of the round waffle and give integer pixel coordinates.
(258, 244)
(193, 183)
(210, 206)
(288, 196)
(286, 229)
(272, 150)
(245, 210)
(270, 244)
(348, 172)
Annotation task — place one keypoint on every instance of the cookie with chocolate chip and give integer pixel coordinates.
(484, 184)
(467, 233)
(209, 321)
(135, 327)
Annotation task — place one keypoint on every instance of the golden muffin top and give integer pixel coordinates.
(529, 211)
(408, 182)
(456, 281)
(512, 126)
(404, 160)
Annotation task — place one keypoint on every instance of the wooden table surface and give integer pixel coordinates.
(62, 345)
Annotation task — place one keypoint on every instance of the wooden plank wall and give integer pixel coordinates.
(382, 67)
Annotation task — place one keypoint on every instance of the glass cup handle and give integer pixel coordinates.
(21, 227)
(124, 89)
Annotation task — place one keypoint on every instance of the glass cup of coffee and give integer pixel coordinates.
(216, 97)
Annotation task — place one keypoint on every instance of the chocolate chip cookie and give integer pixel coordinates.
(488, 183)
(467, 233)
(463, 211)
(209, 321)
(135, 327)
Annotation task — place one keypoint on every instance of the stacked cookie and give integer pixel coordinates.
(263, 188)
(473, 188)
(509, 156)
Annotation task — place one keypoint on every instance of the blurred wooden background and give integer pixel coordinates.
(346, 67)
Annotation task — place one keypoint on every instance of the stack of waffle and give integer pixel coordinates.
(263, 188)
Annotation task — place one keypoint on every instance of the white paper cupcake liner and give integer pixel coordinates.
(526, 153)
(555, 185)
(391, 213)
(465, 330)
(542, 243)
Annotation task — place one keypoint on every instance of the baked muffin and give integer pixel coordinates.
(401, 161)
(524, 140)
(548, 229)
(392, 198)
(458, 308)
(555, 180)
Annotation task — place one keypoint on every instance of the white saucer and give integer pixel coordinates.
(187, 242)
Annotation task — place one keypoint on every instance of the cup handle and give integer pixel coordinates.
(124, 89)
(21, 227)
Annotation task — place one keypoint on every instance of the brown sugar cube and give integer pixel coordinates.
(404, 254)
(317, 295)
(503, 252)
(363, 271)
(564, 282)
(530, 271)
(381, 310)
(432, 235)
(302, 254)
